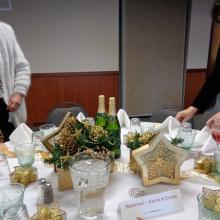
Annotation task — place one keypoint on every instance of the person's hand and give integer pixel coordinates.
(14, 102)
(214, 118)
(186, 114)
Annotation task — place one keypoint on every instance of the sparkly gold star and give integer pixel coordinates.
(51, 138)
(159, 161)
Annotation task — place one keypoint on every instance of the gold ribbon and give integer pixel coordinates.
(24, 175)
(49, 212)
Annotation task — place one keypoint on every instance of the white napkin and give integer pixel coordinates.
(123, 119)
(21, 135)
(81, 116)
(169, 128)
(203, 140)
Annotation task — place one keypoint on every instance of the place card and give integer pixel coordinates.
(152, 205)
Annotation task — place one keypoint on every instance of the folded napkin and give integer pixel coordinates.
(123, 119)
(81, 116)
(21, 135)
(203, 139)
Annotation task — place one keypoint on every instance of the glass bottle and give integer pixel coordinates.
(101, 115)
(113, 128)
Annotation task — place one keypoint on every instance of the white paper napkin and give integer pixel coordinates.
(203, 140)
(21, 135)
(123, 119)
(169, 127)
(81, 116)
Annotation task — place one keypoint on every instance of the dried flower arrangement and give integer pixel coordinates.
(74, 136)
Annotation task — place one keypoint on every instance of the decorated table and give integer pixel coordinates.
(117, 191)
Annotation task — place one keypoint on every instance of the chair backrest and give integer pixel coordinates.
(58, 113)
(199, 120)
(160, 115)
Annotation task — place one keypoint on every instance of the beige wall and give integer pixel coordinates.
(66, 36)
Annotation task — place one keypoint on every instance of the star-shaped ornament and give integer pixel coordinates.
(159, 161)
(51, 138)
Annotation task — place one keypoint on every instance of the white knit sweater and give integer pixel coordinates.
(14, 71)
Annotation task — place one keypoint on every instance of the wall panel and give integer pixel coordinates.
(50, 90)
(195, 78)
(153, 61)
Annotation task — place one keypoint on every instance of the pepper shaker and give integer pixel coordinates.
(41, 183)
(48, 193)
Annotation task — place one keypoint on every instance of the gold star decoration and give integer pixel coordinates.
(159, 161)
(51, 138)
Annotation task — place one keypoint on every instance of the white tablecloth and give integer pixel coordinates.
(117, 190)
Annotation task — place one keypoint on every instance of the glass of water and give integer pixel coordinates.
(135, 126)
(90, 178)
(47, 128)
(16, 212)
(11, 195)
(25, 154)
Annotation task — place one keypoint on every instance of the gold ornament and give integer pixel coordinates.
(211, 199)
(64, 135)
(24, 175)
(49, 212)
(159, 161)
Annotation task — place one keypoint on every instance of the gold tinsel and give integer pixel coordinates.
(211, 199)
(24, 175)
(49, 212)
(97, 132)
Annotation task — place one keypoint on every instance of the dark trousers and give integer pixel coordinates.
(6, 127)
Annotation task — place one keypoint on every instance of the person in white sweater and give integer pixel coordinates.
(14, 81)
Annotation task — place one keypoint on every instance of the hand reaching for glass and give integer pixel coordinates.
(186, 114)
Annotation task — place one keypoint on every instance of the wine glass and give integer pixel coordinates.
(216, 136)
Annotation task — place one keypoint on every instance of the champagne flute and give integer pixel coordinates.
(216, 136)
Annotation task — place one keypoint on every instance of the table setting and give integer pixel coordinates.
(104, 187)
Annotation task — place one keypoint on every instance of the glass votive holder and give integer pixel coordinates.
(135, 126)
(16, 212)
(25, 154)
(204, 213)
(47, 128)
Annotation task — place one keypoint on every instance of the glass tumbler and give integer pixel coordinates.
(90, 177)
(17, 212)
(204, 213)
(135, 126)
(47, 128)
(11, 195)
(25, 154)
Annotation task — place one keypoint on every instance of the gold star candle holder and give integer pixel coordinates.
(159, 161)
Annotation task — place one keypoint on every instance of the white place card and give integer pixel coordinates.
(152, 205)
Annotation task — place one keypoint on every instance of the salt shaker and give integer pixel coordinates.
(48, 193)
(41, 183)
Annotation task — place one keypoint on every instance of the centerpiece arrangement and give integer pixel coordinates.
(75, 136)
